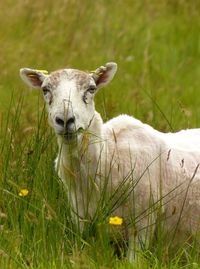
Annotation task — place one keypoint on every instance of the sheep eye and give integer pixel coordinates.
(45, 91)
(86, 97)
(91, 90)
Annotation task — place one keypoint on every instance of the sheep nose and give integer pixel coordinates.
(60, 121)
(68, 125)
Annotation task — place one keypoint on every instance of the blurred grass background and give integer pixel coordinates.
(157, 47)
(155, 43)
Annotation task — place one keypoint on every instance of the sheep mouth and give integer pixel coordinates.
(71, 136)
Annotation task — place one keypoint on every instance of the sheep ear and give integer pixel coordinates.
(34, 78)
(104, 74)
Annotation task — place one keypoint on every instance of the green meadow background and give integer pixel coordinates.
(156, 45)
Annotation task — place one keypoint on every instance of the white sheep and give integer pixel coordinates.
(148, 175)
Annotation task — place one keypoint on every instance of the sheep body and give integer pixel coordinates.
(148, 175)
(163, 168)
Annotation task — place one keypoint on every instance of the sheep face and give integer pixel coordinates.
(69, 95)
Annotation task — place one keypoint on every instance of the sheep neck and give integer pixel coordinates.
(78, 167)
(80, 159)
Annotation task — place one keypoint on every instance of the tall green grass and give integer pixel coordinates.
(38, 231)
(157, 47)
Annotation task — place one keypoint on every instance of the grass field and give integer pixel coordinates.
(157, 47)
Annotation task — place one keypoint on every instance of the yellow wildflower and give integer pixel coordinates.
(23, 192)
(115, 220)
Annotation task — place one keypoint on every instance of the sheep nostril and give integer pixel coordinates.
(59, 121)
(70, 121)
(70, 125)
